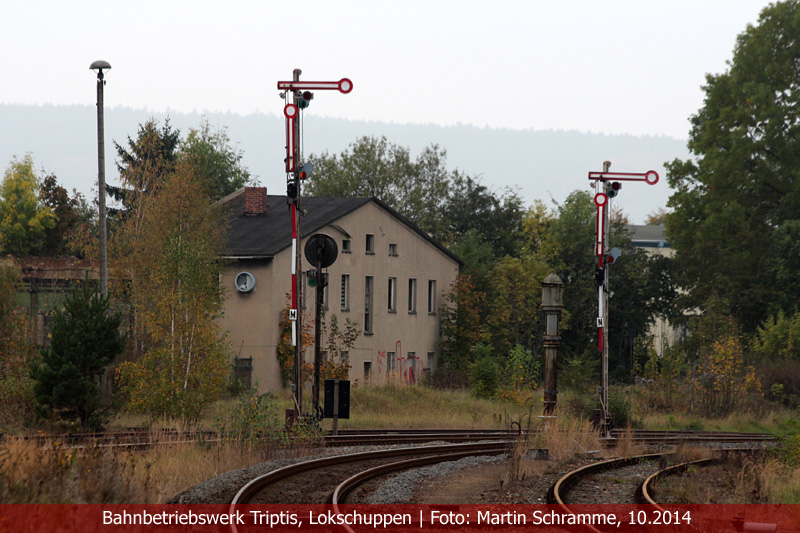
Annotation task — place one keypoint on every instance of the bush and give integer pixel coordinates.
(447, 379)
(576, 405)
(523, 368)
(778, 338)
(253, 419)
(620, 408)
(485, 372)
(781, 381)
(580, 372)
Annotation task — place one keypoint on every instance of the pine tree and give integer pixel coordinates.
(85, 339)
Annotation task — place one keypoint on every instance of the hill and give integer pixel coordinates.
(540, 164)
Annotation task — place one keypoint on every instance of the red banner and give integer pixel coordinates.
(395, 518)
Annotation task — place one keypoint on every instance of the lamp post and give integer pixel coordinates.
(101, 175)
(552, 304)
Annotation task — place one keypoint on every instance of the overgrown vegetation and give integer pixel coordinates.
(85, 339)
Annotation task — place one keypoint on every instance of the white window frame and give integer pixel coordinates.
(392, 296)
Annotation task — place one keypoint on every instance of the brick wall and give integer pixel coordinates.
(255, 201)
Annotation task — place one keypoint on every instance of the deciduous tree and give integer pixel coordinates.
(17, 402)
(743, 184)
(24, 219)
(75, 221)
(375, 167)
(177, 299)
(214, 160)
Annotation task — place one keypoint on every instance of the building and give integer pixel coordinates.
(46, 283)
(653, 239)
(389, 278)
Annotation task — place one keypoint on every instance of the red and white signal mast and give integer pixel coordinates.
(609, 186)
(301, 95)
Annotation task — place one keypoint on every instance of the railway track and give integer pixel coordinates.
(320, 480)
(326, 475)
(139, 439)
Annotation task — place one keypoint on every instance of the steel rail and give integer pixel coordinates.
(643, 492)
(559, 490)
(342, 490)
(259, 483)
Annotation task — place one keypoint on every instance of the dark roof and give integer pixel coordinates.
(265, 236)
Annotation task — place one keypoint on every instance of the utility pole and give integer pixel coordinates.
(101, 175)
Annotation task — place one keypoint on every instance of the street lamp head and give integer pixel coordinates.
(100, 65)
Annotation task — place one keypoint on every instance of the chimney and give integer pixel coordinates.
(255, 201)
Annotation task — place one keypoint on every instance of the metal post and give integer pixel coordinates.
(607, 247)
(552, 304)
(298, 355)
(101, 176)
(318, 337)
(336, 407)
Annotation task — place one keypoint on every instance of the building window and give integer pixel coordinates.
(392, 295)
(346, 246)
(345, 294)
(393, 249)
(412, 295)
(411, 376)
(432, 296)
(390, 362)
(370, 243)
(367, 369)
(368, 305)
(430, 361)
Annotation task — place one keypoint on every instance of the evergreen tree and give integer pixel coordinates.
(85, 339)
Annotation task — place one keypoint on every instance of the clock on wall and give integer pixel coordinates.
(245, 282)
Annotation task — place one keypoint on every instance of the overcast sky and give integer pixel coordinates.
(593, 66)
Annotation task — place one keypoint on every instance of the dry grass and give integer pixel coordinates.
(59, 474)
(414, 406)
(626, 447)
(560, 437)
(686, 453)
(564, 437)
(755, 478)
(56, 474)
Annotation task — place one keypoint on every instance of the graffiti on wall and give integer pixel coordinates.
(381, 362)
(406, 365)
